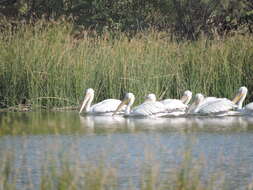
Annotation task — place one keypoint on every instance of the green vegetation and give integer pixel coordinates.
(43, 64)
(185, 19)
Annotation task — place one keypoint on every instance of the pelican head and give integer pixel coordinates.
(89, 95)
(198, 99)
(150, 98)
(127, 100)
(240, 96)
(186, 98)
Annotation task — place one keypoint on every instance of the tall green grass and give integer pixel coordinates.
(45, 64)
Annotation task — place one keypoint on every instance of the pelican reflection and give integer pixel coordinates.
(201, 123)
(221, 123)
(108, 123)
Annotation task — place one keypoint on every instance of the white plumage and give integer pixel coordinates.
(148, 108)
(109, 105)
(212, 105)
(249, 107)
(106, 107)
(150, 98)
(168, 107)
(174, 105)
(217, 106)
(208, 100)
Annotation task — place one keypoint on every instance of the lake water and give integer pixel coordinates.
(224, 144)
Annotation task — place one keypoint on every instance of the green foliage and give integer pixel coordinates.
(45, 65)
(186, 19)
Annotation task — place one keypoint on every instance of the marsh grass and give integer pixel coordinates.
(46, 65)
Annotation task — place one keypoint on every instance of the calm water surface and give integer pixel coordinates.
(225, 144)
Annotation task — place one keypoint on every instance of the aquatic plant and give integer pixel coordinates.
(46, 65)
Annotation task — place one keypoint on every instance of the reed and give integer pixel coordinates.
(44, 64)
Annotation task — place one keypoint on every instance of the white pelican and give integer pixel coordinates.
(248, 109)
(150, 98)
(186, 98)
(200, 100)
(240, 96)
(106, 107)
(211, 106)
(178, 105)
(148, 108)
(217, 106)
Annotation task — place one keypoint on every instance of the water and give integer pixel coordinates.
(36, 139)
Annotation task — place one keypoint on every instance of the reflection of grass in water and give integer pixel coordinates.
(188, 175)
(86, 175)
(69, 175)
(39, 123)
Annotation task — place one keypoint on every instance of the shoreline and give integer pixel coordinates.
(25, 108)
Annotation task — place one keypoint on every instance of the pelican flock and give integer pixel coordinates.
(151, 107)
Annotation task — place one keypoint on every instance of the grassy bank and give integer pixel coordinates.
(45, 65)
